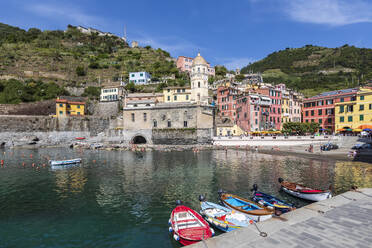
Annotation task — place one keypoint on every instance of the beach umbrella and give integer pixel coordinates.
(357, 130)
(367, 129)
(340, 130)
(349, 129)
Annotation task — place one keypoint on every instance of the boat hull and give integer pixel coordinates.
(311, 197)
(188, 227)
(222, 217)
(260, 214)
(65, 162)
(269, 200)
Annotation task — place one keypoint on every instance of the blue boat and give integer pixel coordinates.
(221, 217)
(267, 200)
(65, 162)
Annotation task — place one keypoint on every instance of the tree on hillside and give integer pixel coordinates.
(220, 70)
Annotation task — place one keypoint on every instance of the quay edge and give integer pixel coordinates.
(344, 220)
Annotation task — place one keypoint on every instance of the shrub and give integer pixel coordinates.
(80, 71)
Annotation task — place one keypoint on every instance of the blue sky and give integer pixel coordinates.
(232, 33)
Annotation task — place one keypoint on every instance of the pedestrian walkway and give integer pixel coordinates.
(342, 221)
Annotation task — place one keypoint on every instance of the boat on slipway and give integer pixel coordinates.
(301, 191)
(187, 226)
(222, 217)
(253, 210)
(65, 162)
(264, 199)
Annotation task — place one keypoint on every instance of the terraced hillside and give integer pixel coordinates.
(314, 69)
(71, 58)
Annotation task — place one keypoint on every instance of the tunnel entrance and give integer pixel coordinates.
(139, 140)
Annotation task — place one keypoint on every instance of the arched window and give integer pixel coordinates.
(198, 84)
(155, 123)
(198, 69)
(203, 69)
(169, 123)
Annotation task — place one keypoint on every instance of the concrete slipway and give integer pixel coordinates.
(342, 221)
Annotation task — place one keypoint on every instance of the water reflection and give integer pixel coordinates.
(122, 197)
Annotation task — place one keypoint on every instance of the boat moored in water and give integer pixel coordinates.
(264, 199)
(253, 210)
(187, 226)
(222, 217)
(65, 162)
(301, 191)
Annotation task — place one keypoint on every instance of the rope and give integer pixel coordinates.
(262, 234)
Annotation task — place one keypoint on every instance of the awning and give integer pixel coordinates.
(357, 130)
(365, 126)
(341, 130)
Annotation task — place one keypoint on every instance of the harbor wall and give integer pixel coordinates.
(275, 141)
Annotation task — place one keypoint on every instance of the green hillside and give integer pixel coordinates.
(71, 58)
(314, 69)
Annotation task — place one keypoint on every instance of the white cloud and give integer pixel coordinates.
(64, 13)
(233, 63)
(329, 12)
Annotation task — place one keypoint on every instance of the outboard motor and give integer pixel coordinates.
(255, 187)
(178, 202)
(220, 192)
(280, 180)
(201, 198)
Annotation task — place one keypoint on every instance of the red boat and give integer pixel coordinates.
(188, 227)
(80, 138)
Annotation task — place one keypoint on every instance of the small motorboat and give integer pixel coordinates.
(80, 138)
(253, 210)
(304, 192)
(187, 226)
(280, 206)
(65, 162)
(221, 217)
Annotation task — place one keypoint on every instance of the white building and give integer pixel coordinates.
(139, 77)
(112, 93)
(199, 80)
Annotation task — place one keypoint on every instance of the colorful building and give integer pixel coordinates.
(253, 112)
(185, 64)
(225, 127)
(139, 77)
(112, 93)
(321, 108)
(156, 97)
(177, 94)
(70, 106)
(275, 95)
(354, 112)
(226, 101)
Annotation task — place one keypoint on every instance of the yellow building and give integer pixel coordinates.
(68, 106)
(355, 114)
(225, 127)
(177, 94)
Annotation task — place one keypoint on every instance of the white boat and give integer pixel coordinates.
(304, 192)
(65, 162)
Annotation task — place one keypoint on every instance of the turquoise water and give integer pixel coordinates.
(123, 199)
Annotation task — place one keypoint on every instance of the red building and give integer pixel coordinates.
(321, 108)
(226, 101)
(275, 107)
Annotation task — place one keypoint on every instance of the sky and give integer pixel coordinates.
(226, 32)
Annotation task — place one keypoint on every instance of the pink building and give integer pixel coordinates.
(275, 107)
(253, 112)
(226, 102)
(185, 63)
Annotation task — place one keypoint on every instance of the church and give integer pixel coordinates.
(176, 123)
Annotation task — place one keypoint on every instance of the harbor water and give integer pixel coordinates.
(124, 199)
